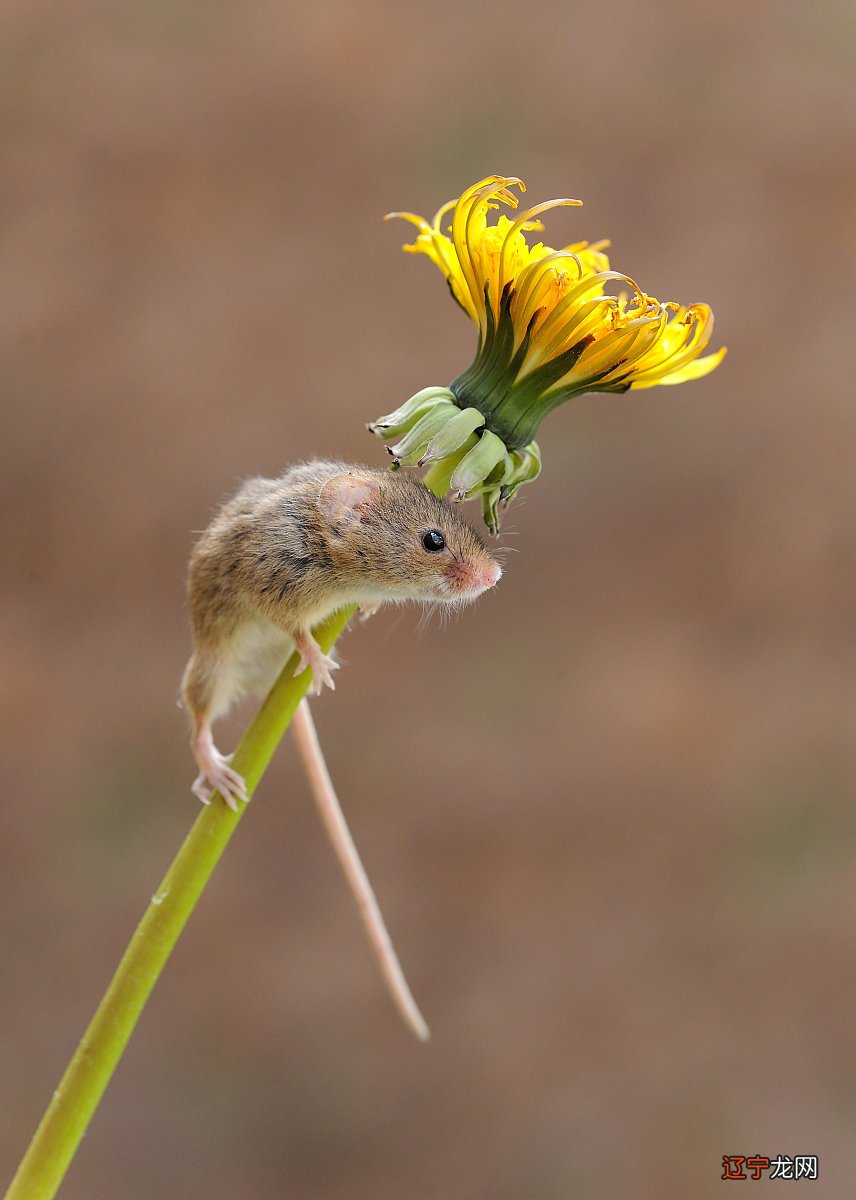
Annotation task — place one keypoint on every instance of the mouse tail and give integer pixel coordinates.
(333, 819)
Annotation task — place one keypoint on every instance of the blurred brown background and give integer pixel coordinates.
(610, 812)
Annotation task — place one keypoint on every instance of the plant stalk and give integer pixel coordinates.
(74, 1102)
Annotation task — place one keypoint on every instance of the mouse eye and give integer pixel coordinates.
(433, 541)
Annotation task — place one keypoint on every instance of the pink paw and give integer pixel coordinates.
(217, 776)
(321, 664)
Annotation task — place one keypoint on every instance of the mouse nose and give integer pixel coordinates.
(491, 573)
(486, 574)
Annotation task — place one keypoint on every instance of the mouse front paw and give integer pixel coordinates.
(311, 655)
(321, 666)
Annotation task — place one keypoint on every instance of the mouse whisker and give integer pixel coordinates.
(428, 610)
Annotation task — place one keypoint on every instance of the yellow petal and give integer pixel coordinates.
(693, 370)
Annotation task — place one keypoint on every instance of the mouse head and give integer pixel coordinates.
(408, 542)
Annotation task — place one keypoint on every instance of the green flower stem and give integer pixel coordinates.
(78, 1095)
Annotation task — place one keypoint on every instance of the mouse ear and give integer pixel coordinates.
(348, 500)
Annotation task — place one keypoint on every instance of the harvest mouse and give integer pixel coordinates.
(285, 553)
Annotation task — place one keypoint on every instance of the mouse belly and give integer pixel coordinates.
(257, 656)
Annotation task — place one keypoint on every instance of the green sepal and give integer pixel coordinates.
(477, 464)
(389, 433)
(524, 466)
(416, 439)
(490, 508)
(408, 414)
(439, 474)
(453, 434)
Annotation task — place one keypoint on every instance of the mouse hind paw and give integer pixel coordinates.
(215, 775)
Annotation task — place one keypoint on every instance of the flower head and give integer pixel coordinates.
(552, 324)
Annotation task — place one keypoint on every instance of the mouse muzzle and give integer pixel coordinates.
(466, 578)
